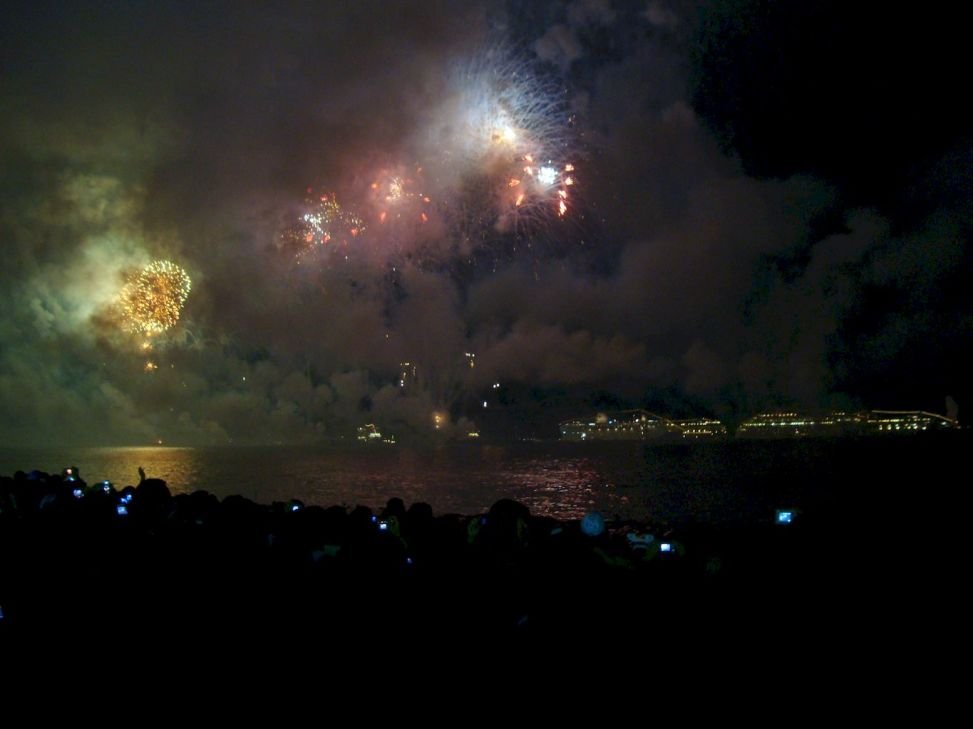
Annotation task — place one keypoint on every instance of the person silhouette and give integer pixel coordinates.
(141, 474)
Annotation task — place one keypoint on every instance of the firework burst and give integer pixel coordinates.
(397, 198)
(325, 225)
(506, 133)
(493, 173)
(500, 110)
(152, 300)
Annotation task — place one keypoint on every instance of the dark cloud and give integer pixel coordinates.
(763, 215)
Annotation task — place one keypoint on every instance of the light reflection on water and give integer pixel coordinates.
(711, 483)
(452, 479)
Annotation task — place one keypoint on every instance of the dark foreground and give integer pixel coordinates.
(189, 571)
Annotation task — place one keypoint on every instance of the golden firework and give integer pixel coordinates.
(152, 301)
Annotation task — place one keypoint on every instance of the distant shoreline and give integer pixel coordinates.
(422, 445)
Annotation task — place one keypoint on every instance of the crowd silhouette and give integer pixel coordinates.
(80, 561)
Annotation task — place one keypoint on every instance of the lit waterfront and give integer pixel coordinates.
(641, 425)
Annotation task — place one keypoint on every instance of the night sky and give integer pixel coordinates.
(770, 207)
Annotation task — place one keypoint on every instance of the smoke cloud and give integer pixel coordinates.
(680, 277)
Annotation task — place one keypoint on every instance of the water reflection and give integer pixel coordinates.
(716, 483)
(459, 480)
(181, 467)
(565, 488)
(452, 479)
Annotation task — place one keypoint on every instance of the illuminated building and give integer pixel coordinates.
(370, 434)
(798, 425)
(701, 428)
(838, 423)
(905, 421)
(624, 425)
